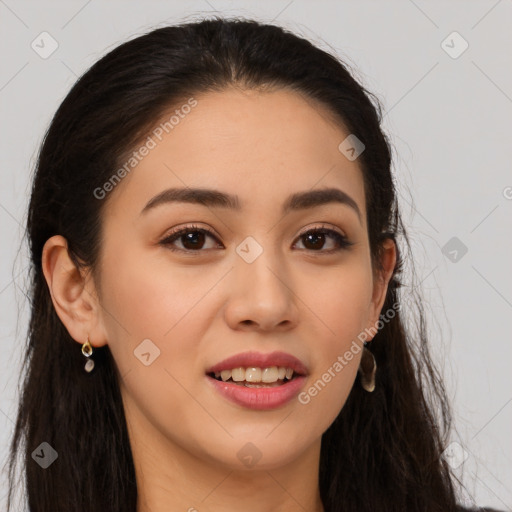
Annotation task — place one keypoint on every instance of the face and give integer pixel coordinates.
(255, 278)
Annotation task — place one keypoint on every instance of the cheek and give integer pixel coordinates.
(340, 301)
(326, 393)
(154, 319)
(144, 302)
(151, 298)
(334, 373)
(339, 309)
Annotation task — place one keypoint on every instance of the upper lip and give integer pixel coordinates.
(260, 360)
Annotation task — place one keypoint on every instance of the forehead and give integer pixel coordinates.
(261, 146)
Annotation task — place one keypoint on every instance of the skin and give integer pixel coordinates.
(200, 308)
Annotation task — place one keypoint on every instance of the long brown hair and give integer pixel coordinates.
(384, 450)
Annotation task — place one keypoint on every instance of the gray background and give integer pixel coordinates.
(448, 118)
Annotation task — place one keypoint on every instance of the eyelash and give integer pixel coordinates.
(172, 237)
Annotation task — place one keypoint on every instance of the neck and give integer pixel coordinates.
(173, 477)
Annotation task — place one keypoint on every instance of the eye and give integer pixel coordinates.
(315, 239)
(193, 237)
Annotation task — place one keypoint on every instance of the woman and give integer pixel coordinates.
(214, 236)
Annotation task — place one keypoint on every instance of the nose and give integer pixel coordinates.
(261, 296)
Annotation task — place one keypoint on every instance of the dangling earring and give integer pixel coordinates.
(87, 352)
(367, 369)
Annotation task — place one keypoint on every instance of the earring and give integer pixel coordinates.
(87, 352)
(367, 369)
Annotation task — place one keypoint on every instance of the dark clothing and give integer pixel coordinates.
(480, 509)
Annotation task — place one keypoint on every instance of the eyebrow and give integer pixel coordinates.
(217, 199)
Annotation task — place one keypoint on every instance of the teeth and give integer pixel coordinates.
(270, 374)
(253, 374)
(238, 374)
(224, 375)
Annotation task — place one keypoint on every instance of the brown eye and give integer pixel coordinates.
(192, 239)
(315, 239)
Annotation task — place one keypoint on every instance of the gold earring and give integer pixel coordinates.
(87, 352)
(367, 369)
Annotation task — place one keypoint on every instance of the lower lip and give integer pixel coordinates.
(259, 398)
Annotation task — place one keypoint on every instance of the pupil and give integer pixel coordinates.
(189, 238)
(316, 237)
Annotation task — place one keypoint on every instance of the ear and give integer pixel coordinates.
(73, 293)
(381, 281)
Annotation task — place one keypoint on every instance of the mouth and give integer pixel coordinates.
(246, 387)
(258, 381)
(253, 377)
